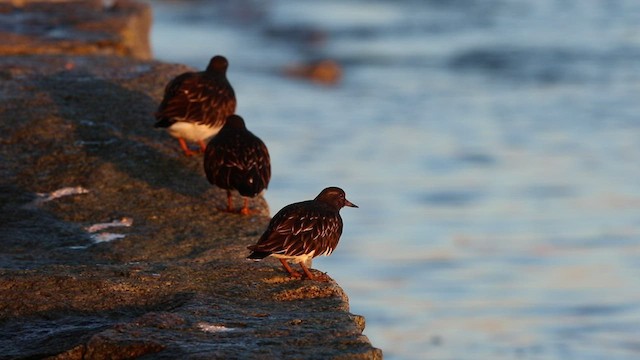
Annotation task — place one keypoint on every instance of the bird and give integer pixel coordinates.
(236, 159)
(196, 104)
(303, 230)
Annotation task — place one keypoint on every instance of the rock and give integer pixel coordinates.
(77, 27)
(112, 244)
(177, 285)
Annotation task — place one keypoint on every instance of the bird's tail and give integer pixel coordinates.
(164, 122)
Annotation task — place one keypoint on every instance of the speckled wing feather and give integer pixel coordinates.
(197, 98)
(238, 161)
(302, 228)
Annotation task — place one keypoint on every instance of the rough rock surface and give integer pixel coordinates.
(177, 285)
(80, 27)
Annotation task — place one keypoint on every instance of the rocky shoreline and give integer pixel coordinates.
(165, 275)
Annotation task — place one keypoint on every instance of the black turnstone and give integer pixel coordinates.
(235, 159)
(196, 104)
(303, 230)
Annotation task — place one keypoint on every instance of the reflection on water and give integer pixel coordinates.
(493, 148)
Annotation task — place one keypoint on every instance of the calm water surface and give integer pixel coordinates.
(493, 148)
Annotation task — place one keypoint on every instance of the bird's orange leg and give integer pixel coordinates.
(185, 148)
(291, 272)
(203, 146)
(229, 201)
(322, 277)
(245, 209)
(306, 271)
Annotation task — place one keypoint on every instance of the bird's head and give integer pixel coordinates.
(218, 64)
(335, 197)
(235, 122)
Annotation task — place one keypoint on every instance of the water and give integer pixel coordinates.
(493, 148)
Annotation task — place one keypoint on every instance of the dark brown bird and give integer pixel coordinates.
(196, 104)
(235, 159)
(303, 230)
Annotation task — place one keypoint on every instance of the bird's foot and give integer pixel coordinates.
(190, 152)
(242, 211)
(322, 277)
(294, 274)
(247, 211)
(186, 150)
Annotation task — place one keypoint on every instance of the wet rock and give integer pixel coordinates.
(119, 27)
(175, 283)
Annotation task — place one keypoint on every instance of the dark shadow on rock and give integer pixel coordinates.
(92, 126)
(115, 125)
(101, 333)
(32, 237)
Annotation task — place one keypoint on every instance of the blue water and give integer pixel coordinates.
(493, 148)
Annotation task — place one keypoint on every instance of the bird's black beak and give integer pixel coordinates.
(349, 203)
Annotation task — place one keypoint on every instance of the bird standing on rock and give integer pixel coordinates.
(235, 159)
(303, 230)
(196, 104)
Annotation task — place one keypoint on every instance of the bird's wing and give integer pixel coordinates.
(255, 165)
(295, 232)
(240, 162)
(193, 98)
